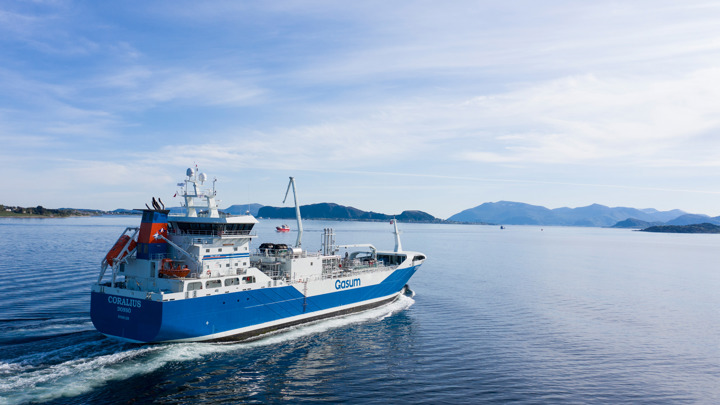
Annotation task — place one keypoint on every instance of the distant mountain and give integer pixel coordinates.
(663, 216)
(341, 212)
(123, 211)
(416, 216)
(694, 228)
(634, 223)
(598, 215)
(241, 209)
(515, 213)
(690, 219)
(506, 212)
(501, 213)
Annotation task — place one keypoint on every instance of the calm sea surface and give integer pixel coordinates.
(524, 315)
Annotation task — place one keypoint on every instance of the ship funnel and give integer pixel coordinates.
(150, 245)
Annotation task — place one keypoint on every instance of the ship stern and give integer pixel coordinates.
(125, 318)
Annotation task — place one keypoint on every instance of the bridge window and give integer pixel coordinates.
(391, 260)
(194, 286)
(211, 229)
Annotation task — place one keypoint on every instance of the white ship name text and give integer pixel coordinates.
(125, 301)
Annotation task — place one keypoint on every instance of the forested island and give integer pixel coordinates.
(42, 212)
(694, 228)
(338, 212)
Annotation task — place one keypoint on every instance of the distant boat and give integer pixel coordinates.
(282, 228)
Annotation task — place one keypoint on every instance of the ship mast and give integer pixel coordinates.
(398, 244)
(298, 243)
(195, 178)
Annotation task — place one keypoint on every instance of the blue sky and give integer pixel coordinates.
(384, 106)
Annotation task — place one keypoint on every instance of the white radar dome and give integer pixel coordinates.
(203, 177)
(190, 172)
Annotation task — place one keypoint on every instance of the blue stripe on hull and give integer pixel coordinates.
(203, 316)
(227, 256)
(191, 318)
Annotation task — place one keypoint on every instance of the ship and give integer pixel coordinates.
(193, 277)
(283, 228)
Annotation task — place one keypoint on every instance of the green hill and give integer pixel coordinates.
(695, 228)
(340, 212)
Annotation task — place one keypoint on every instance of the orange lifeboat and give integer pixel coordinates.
(113, 254)
(167, 269)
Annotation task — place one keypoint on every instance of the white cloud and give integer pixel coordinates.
(140, 87)
(198, 88)
(581, 120)
(587, 118)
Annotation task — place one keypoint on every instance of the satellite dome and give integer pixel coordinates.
(203, 177)
(190, 172)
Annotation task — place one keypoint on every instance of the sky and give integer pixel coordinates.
(383, 106)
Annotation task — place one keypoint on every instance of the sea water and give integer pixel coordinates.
(526, 314)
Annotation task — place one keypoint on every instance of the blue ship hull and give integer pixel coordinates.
(232, 316)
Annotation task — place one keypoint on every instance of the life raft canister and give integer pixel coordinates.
(112, 255)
